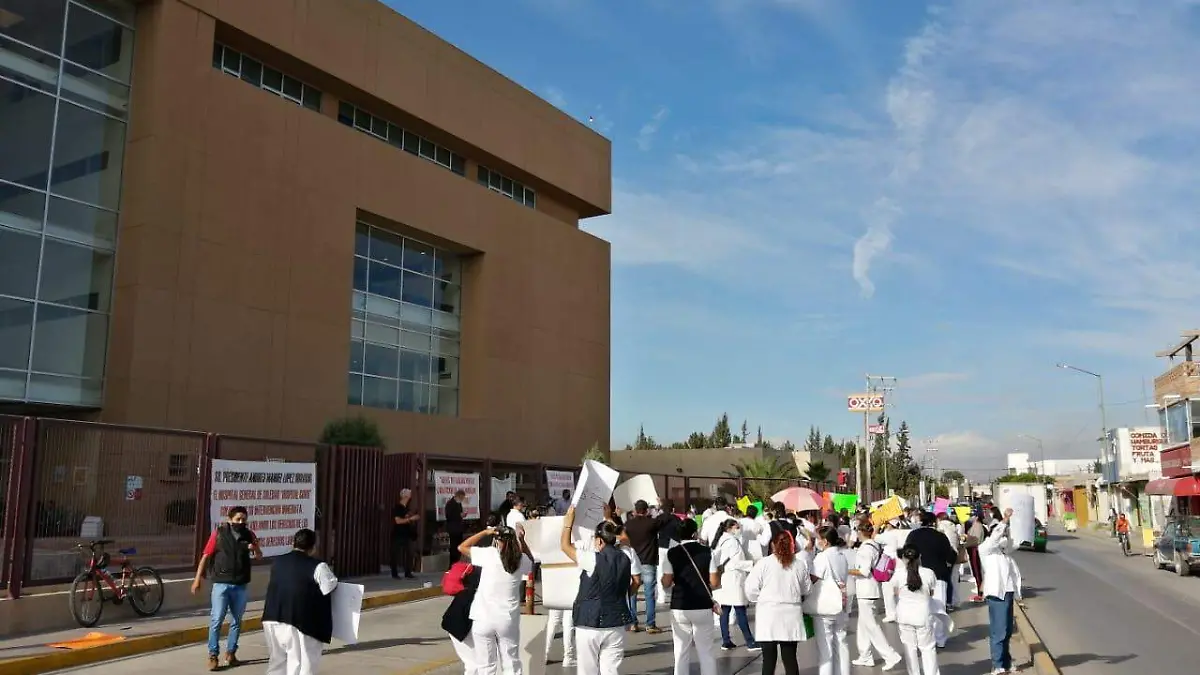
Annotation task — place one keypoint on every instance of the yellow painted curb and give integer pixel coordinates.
(1043, 663)
(61, 660)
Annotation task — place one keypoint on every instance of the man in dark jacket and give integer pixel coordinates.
(454, 523)
(298, 613)
(229, 550)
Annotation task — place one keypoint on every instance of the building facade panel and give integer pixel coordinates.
(234, 307)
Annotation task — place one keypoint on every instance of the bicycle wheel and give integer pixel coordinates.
(145, 591)
(86, 599)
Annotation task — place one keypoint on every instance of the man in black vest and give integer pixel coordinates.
(298, 614)
(229, 549)
(454, 523)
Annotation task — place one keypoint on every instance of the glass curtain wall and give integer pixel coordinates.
(65, 70)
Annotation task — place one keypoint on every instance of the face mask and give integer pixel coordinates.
(239, 527)
(735, 532)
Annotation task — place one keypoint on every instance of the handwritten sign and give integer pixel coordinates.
(592, 493)
(557, 481)
(543, 536)
(889, 510)
(446, 484)
(279, 497)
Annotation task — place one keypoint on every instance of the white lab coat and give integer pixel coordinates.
(1000, 572)
(729, 552)
(915, 618)
(777, 593)
(290, 652)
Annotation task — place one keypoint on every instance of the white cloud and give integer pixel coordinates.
(649, 130)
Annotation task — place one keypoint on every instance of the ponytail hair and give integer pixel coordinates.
(783, 546)
(607, 533)
(831, 536)
(510, 549)
(913, 557)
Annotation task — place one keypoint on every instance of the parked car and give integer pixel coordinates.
(1178, 546)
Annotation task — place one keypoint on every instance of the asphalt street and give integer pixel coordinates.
(1099, 612)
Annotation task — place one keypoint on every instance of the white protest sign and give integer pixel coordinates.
(557, 481)
(543, 536)
(347, 611)
(596, 484)
(500, 488)
(280, 498)
(628, 493)
(1021, 526)
(446, 484)
(560, 586)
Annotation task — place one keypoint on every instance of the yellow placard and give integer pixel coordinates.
(743, 503)
(888, 510)
(963, 513)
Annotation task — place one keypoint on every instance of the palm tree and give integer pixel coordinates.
(818, 472)
(764, 477)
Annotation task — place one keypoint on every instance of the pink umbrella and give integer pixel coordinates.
(798, 499)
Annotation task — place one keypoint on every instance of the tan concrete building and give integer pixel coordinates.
(711, 462)
(252, 217)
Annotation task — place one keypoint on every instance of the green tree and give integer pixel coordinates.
(645, 442)
(696, 440)
(745, 433)
(764, 477)
(722, 436)
(829, 447)
(818, 472)
(759, 442)
(355, 430)
(953, 477)
(813, 442)
(595, 454)
(787, 446)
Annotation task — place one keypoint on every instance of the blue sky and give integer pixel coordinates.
(958, 194)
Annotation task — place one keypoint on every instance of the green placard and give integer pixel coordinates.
(847, 502)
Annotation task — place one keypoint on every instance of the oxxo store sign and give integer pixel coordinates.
(1177, 462)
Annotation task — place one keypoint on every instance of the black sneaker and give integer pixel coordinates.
(727, 647)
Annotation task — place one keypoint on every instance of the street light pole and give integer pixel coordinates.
(871, 389)
(1041, 449)
(1103, 422)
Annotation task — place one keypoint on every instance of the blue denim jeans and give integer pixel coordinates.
(743, 623)
(1000, 630)
(226, 598)
(650, 588)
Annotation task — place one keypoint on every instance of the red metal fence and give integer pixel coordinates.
(63, 482)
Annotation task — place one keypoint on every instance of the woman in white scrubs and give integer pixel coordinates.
(777, 586)
(495, 612)
(830, 567)
(914, 612)
(870, 634)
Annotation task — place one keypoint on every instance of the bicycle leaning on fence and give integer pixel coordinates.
(142, 586)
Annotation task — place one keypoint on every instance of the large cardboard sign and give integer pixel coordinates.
(280, 498)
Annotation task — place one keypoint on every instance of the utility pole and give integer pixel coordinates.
(872, 389)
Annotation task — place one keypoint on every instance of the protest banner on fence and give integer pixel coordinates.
(446, 483)
(557, 481)
(280, 498)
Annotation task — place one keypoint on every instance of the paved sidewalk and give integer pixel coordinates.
(407, 640)
(179, 628)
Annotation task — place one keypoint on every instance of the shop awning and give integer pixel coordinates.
(1162, 486)
(1187, 487)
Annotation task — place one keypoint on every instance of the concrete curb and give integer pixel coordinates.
(61, 660)
(1043, 663)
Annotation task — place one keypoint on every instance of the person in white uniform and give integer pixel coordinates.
(495, 612)
(870, 634)
(297, 616)
(692, 604)
(777, 586)
(915, 585)
(752, 527)
(831, 570)
(712, 522)
(892, 538)
(728, 571)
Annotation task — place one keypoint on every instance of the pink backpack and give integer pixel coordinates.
(885, 567)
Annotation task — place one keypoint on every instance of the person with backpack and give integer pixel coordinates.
(871, 566)
(229, 550)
